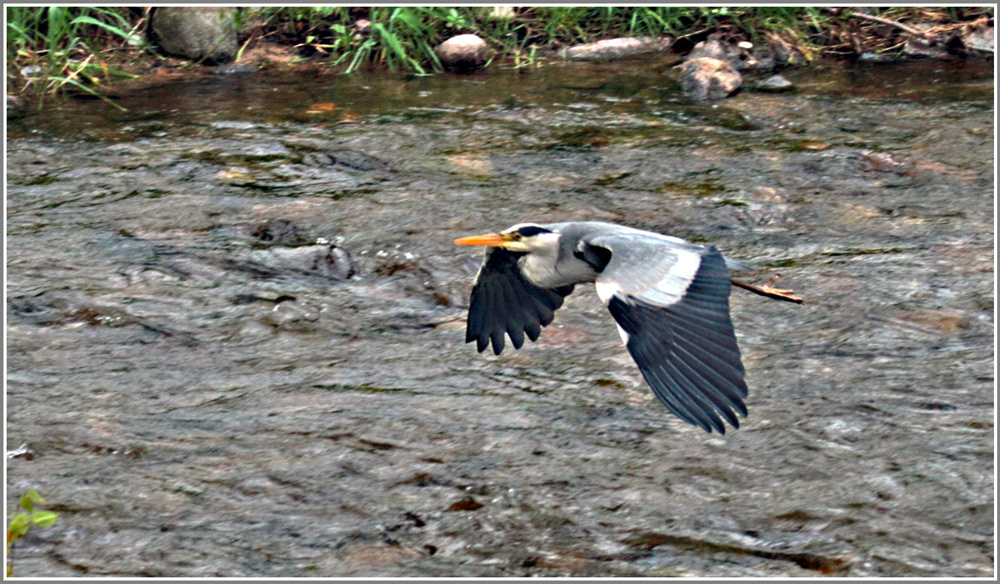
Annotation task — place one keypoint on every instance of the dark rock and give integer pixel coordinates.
(613, 49)
(734, 52)
(933, 47)
(465, 52)
(776, 56)
(465, 504)
(17, 107)
(199, 34)
(279, 232)
(351, 159)
(918, 47)
(788, 55)
(708, 79)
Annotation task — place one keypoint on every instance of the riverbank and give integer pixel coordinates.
(80, 49)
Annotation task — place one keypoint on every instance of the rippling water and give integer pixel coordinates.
(194, 401)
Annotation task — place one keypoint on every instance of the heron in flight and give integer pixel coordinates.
(669, 297)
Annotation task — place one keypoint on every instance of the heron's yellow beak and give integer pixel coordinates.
(491, 239)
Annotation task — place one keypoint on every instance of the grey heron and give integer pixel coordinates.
(669, 297)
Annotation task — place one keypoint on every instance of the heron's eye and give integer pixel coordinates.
(515, 236)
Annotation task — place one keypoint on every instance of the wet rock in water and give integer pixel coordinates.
(980, 38)
(940, 321)
(73, 309)
(280, 232)
(706, 79)
(613, 49)
(16, 107)
(58, 308)
(234, 70)
(776, 56)
(370, 555)
(291, 317)
(465, 504)
(882, 162)
(917, 47)
(322, 259)
(418, 276)
(735, 53)
(931, 47)
(873, 57)
(254, 298)
(346, 158)
(200, 34)
(773, 84)
(465, 52)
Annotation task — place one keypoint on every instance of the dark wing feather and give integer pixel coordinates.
(503, 302)
(687, 350)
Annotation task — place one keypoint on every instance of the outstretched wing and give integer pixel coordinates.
(673, 313)
(504, 302)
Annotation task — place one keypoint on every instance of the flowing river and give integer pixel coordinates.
(200, 389)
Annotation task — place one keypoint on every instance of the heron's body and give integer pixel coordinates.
(569, 268)
(669, 297)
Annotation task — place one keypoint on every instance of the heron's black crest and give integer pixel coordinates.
(529, 230)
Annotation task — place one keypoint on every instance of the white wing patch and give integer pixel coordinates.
(647, 267)
(623, 334)
(605, 290)
(674, 284)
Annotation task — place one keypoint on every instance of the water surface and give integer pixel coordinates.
(193, 404)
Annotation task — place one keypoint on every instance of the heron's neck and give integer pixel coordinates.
(546, 269)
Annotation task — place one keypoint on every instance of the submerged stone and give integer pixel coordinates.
(321, 259)
(279, 232)
(705, 79)
(773, 84)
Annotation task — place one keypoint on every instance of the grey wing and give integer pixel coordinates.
(671, 303)
(504, 302)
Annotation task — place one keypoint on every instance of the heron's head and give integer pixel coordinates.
(523, 238)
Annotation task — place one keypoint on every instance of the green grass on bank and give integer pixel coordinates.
(53, 48)
(404, 37)
(56, 48)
